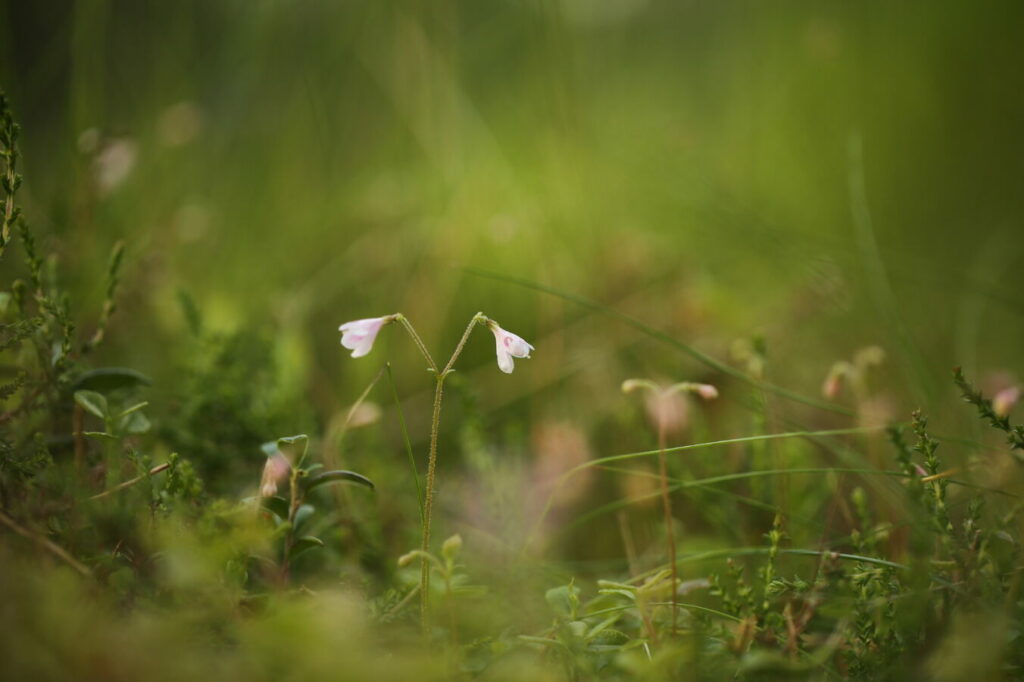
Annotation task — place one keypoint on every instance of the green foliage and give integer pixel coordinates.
(136, 534)
(1014, 433)
(228, 401)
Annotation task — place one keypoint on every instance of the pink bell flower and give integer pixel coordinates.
(274, 471)
(359, 335)
(508, 346)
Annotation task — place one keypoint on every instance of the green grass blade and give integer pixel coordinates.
(665, 338)
(405, 438)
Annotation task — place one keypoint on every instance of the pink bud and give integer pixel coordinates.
(833, 382)
(707, 391)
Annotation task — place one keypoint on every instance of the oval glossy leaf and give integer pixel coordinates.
(337, 476)
(93, 403)
(276, 505)
(303, 513)
(303, 545)
(108, 379)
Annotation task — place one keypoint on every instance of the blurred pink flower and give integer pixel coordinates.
(358, 336)
(833, 382)
(274, 471)
(509, 346)
(665, 405)
(1005, 399)
(667, 410)
(706, 391)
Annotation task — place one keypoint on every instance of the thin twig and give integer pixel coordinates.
(46, 543)
(127, 484)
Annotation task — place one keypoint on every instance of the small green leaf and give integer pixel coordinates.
(294, 448)
(108, 379)
(337, 476)
(564, 600)
(134, 408)
(92, 402)
(304, 544)
(302, 513)
(451, 547)
(134, 422)
(276, 505)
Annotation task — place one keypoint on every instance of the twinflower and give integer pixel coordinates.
(508, 346)
(359, 335)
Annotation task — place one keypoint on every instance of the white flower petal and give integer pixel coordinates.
(508, 346)
(505, 362)
(359, 335)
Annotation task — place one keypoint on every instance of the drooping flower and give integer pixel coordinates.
(508, 346)
(837, 375)
(359, 335)
(665, 405)
(274, 471)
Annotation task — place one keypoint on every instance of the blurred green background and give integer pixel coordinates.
(824, 175)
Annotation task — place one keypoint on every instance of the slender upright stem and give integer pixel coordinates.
(669, 530)
(295, 501)
(418, 341)
(435, 422)
(428, 505)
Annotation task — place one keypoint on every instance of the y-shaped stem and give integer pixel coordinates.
(435, 422)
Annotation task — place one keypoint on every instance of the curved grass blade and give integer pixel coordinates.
(665, 338)
(408, 443)
(693, 446)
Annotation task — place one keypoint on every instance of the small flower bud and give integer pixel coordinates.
(834, 381)
(451, 547)
(706, 391)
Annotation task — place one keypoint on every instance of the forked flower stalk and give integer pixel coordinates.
(663, 404)
(359, 337)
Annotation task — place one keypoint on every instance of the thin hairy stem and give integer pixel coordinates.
(418, 341)
(477, 319)
(428, 505)
(428, 502)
